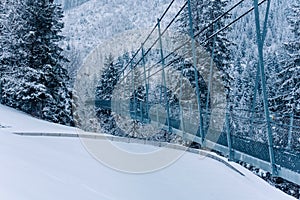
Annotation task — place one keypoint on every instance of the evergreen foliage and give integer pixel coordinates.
(203, 13)
(104, 92)
(34, 79)
(288, 99)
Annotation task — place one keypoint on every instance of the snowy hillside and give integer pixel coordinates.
(95, 21)
(61, 168)
(88, 23)
(69, 4)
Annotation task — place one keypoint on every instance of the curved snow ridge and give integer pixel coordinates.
(112, 138)
(60, 168)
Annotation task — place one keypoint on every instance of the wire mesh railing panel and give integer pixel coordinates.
(189, 76)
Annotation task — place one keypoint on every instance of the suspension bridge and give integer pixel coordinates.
(172, 86)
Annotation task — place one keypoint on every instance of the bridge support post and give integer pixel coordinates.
(228, 133)
(163, 75)
(254, 100)
(124, 93)
(180, 100)
(260, 44)
(146, 83)
(210, 81)
(133, 90)
(290, 131)
(196, 73)
(264, 34)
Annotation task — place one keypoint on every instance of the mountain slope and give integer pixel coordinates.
(89, 24)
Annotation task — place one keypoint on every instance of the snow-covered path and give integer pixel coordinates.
(37, 168)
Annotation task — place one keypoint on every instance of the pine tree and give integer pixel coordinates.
(289, 97)
(7, 12)
(38, 83)
(203, 13)
(3, 16)
(104, 92)
(12, 55)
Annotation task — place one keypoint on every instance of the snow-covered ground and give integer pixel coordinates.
(61, 168)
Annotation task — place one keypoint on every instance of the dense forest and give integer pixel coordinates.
(40, 58)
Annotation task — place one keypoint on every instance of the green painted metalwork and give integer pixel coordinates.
(260, 45)
(264, 34)
(196, 74)
(235, 147)
(210, 78)
(180, 100)
(228, 134)
(133, 89)
(145, 80)
(290, 131)
(163, 75)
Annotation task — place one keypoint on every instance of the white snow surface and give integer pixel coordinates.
(36, 168)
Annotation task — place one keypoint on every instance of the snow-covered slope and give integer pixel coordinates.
(95, 21)
(16, 121)
(69, 4)
(61, 168)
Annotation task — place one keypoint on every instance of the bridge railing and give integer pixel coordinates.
(175, 71)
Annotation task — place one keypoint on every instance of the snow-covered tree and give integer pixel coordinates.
(203, 13)
(8, 26)
(289, 97)
(3, 16)
(104, 92)
(38, 83)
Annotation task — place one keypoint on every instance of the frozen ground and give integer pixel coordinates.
(57, 168)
